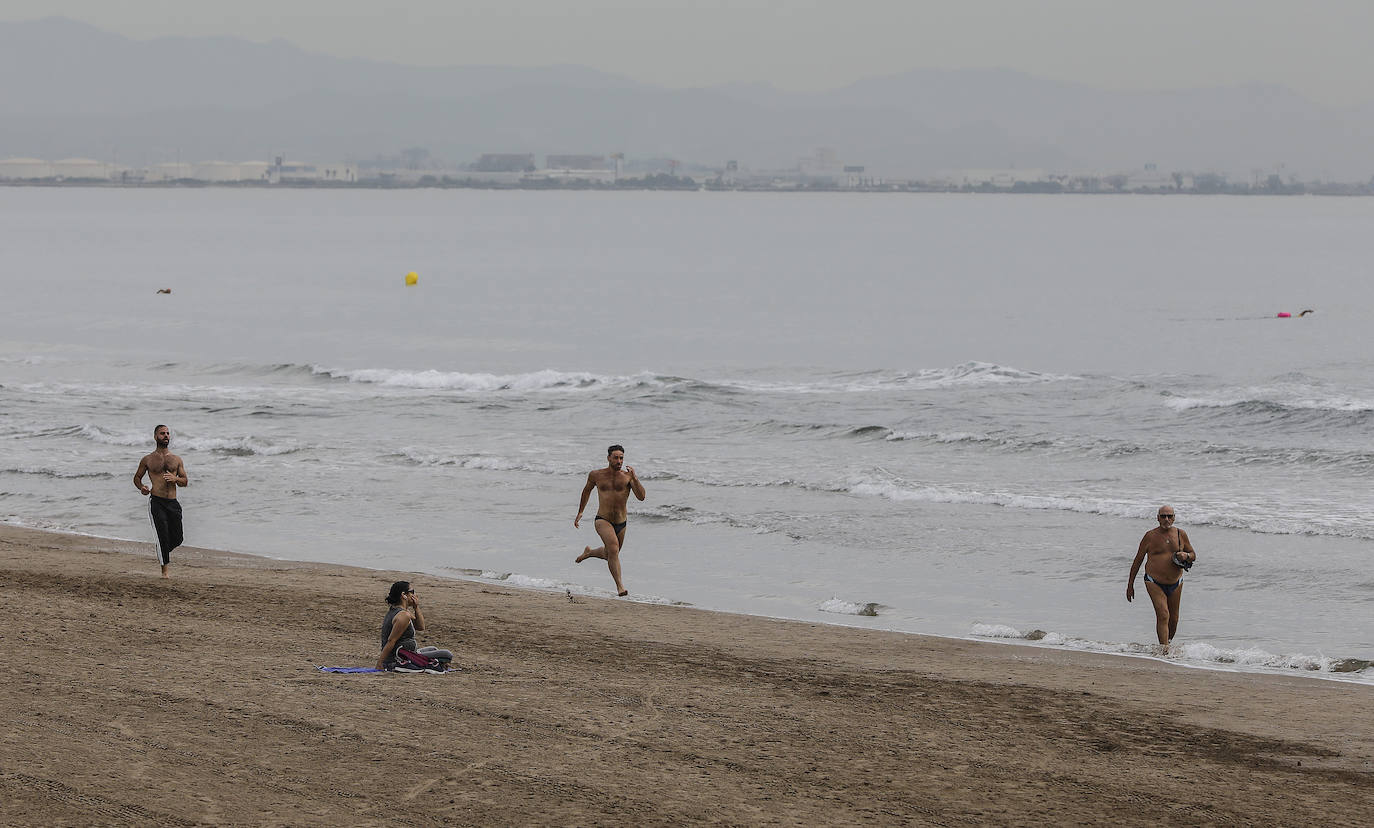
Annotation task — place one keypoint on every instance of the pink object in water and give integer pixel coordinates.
(1284, 314)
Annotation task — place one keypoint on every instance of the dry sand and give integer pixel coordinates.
(132, 700)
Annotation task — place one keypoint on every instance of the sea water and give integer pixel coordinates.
(943, 414)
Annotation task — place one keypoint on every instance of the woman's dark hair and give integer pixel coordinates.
(394, 596)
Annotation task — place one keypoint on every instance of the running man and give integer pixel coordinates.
(1169, 553)
(613, 485)
(165, 471)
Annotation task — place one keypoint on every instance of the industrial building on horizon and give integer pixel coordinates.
(823, 169)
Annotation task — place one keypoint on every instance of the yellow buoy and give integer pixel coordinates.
(411, 278)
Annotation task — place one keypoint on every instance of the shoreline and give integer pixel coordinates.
(1353, 189)
(196, 700)
(1358, 674)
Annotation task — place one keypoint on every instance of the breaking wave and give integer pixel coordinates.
(842, 607)
(476, 461)
(1351, 523)
(1197, 653)
(457, 381)
(57, 473)
(247, 445)
(966, 374)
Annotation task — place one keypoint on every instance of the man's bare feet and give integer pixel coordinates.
(586, 553)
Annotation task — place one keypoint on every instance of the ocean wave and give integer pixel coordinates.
(965, 374)
(670, 512)
(917, 493)
(519, 581)
(245, 446)
(526, 581)
(1197, 653)
(476, 461)
(32, 359)
(1260, 519)
(1358, 462)
(456, 381)
(1273, 400)
(842, 607)
(55, 473)
(1015, 442)
(159, 391)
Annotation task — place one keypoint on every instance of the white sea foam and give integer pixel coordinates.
(44, 471)
(463, 382)
(160, 391)
(228, 445)
(519, 581)
(996, 631)
(478, 461)
(1291, 398)
(531, 582)
(96, 434)
(964, 374)
(1330, 520)
(32, 359)
(842, 607)
(1194, 653)
(948, 494)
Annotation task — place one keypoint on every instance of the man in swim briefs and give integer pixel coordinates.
(165, 471)
(613, 485)
(1166, 553)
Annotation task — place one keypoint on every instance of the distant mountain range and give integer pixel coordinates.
(75, 90)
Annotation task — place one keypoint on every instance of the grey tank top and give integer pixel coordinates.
(386, 626)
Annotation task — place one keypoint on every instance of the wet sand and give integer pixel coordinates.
(132, 700)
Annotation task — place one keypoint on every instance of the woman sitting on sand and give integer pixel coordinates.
(403, 618)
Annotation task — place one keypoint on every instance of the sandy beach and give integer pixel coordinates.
(132, 700)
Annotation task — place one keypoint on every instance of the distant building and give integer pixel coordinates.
(1151, 179)
(567, 175)
(216, 171)
(505, 162)
(168, 171)
(314, 173)
(25, 169)
(82, 168)
(1000, 179)
(576, 162)
(255, 171)
(821, 167)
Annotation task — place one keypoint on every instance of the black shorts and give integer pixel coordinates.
(165, 514)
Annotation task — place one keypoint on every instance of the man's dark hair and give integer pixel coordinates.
(615, 448)
(394, 596)
(159, 425)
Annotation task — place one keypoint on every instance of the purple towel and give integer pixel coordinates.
(350, 670)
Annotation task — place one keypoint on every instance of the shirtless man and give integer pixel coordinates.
(1162, 549)
(613, 485)
(165, 471)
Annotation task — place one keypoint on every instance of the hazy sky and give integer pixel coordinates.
(1318, 47)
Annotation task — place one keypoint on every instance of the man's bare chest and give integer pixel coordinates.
(1166, 544)
(159, 463)
(612, 485)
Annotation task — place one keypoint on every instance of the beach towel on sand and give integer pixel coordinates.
(349, 670)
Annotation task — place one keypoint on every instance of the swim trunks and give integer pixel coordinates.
(618, 527)
(165, 513)
(1168, 588)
